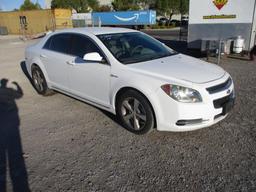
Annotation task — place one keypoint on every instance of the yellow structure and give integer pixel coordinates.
(63, 18)
(35, 21)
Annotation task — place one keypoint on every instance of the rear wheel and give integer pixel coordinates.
(135, 112)
(39, 82)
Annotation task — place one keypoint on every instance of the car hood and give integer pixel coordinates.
(181, 67)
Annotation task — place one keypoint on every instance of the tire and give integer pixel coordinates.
(39, 82)
(135, 112)
(253, 54)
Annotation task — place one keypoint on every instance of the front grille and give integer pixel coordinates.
(220, 87)
(218, 103)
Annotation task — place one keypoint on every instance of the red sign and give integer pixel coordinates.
(220, 3)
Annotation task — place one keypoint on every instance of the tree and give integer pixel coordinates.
(164, 7)
(103, 8)
(167, 7)
(94, 4)
(184, 6)
(124, 5)
(79, 5)
(28, 5)
(147, 4)
(38, 5)
(171, 7)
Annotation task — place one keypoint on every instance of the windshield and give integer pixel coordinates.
(134, 47)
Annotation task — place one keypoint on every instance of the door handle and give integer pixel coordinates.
(70, 62)
(112, 75)
(43, 56)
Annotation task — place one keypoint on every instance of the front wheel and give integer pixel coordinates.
(135, 112)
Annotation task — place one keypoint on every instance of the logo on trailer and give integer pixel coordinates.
(220, 3)
(135, 17)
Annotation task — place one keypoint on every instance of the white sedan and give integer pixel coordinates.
(130, 74)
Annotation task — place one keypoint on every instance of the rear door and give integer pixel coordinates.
(55, 55)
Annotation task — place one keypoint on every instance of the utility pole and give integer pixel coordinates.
(253, 29)
(180, 19)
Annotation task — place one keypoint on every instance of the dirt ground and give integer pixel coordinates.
(69, 145)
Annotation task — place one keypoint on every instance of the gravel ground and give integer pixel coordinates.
(69, 145)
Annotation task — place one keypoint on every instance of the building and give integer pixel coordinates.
(105, 2)
(48, 4)
(221, 20)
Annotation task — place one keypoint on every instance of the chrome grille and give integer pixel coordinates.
(220, 87)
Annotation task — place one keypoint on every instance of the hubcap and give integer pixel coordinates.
(133, 113)
(38, 80)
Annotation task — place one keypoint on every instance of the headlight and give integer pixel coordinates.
(182, 94)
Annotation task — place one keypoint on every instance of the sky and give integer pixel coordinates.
(9, 5)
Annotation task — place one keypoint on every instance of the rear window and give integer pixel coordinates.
(48, 43)
(59, 43)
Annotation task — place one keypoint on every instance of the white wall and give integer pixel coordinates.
(243, 9)
(105, 2)
(48, 4)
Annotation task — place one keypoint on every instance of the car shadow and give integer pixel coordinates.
(25, 71)
(11, 154)
(112, 117)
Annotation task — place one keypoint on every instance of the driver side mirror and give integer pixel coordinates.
(94, 57)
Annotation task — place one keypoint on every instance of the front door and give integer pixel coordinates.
(89, 80)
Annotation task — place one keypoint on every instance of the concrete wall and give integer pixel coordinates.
(63, 18)
(35, 21)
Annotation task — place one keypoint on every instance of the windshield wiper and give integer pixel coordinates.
(149, 58)
(160, 56)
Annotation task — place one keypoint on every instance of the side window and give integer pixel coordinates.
(47, 44)
(60, 43)
(82, 45)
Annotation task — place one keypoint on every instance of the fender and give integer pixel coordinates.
(147, 91)
(38, 62)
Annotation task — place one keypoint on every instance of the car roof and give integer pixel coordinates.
(97, 30)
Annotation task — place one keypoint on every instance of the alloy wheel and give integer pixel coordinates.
(133, 113)
(38, 80)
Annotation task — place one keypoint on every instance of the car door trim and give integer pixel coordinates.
(79, 97)
(68, 53)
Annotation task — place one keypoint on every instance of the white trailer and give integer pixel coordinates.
(82, 19)
(221, 20)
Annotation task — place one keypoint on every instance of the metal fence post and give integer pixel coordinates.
(219, 52)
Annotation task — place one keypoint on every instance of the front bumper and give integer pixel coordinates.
(176, 116)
